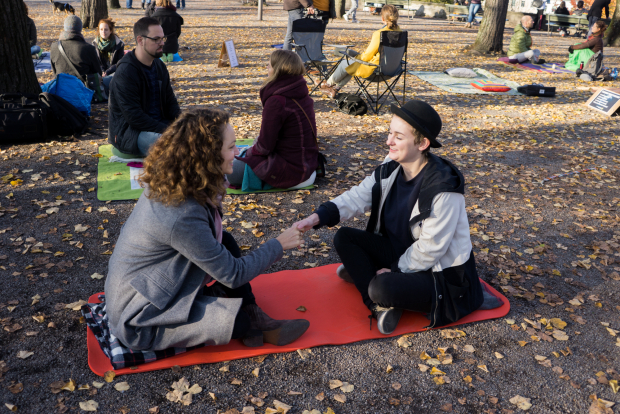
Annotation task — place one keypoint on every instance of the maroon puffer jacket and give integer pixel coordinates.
(285, 153)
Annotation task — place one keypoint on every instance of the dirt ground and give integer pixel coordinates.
(553, 248)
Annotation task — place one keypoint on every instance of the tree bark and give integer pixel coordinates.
(491, 34)
(612, 34)
(114, 4)
(93, 11)
(16, 66)
(340, 6)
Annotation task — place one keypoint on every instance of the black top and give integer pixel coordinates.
(171, 23)
(597, 8)
(151, 76)
(562, 10)
(130, 101)
(397, 211)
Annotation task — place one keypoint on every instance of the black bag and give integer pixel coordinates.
(537, 90)
(351, 104)
(63, 118)
(92, 82)
(22, 118)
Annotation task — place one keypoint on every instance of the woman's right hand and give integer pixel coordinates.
(291, 238)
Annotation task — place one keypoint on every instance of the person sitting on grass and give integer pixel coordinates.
(416, 253)
(79, 54)
(142, 102)
(285, 154)
(588, 48)
(520, 49)
(173, 245)
(32, 34)
(110, 49)
(167, 16)
(345, 71)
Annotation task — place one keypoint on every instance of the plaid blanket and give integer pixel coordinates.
(120, 356)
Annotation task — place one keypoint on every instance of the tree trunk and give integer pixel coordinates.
(612, 35)
(114, 4)
(340, 6)
(93, 11)
(16, 67)
(491, 34)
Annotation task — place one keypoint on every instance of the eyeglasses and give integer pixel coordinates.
(157, 39)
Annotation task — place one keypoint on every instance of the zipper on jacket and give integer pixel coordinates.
(434, 313)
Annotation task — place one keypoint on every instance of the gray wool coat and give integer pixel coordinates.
(155, 277)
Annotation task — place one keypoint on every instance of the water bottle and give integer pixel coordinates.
(581, 66)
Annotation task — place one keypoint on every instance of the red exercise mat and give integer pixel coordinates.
(334, 308)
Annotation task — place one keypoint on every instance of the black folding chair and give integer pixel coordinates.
(392, 65)
(308, 34)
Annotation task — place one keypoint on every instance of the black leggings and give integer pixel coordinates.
(363, 253)
(242, 321)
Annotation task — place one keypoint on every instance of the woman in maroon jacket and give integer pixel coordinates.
(285, 155)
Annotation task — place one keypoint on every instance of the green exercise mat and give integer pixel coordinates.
(463, 85)
(117, 181)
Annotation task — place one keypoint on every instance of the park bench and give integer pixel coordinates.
(405, 5)
(460, 13)
(557, 20)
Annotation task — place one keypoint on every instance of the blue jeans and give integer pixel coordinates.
(292, 16)
(129, 3)
(106, 82)
(34, 50)
(146, 141)
(340, 76)
(473, 9)
(180, 3)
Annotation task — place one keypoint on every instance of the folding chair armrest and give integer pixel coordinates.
(360, 61)
(297, 45)
(347, 46)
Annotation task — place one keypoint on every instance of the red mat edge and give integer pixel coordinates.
(99, 363)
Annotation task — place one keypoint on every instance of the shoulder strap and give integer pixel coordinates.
(64, 55)
(310, 122)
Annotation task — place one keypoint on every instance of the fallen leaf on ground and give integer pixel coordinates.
(521, 402)
(89, 405)
(121, 386)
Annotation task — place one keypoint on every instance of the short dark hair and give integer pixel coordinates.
(141, 28)
(580, 4)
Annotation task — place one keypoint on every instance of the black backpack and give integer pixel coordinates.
(351, 104)
(63, 118)
(22, 118)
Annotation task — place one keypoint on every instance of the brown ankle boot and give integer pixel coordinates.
(275, 332)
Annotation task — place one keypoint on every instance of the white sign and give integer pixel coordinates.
(232, 53)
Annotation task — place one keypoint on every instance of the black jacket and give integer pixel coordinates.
(458, 291)
(171, 22)
(129, 103)
(597, 8)
(32, 31)
(109, 66)
(83, 56)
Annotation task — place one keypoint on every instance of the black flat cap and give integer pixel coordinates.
(422, 117)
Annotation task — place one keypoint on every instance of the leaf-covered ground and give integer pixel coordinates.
(553, 248)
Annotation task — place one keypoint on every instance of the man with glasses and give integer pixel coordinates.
(142, 103)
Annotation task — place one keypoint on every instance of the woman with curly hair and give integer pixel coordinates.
(173, 244)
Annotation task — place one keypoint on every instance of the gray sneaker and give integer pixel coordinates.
(346, 17)
(355, 21)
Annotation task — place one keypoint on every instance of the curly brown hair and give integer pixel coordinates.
(186, 161)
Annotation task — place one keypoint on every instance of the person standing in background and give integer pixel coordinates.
(352, 11)
(596, 13)
(181, 4)
(295, 9)
(474, 6)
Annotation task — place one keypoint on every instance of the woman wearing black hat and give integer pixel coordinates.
(416, 253)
